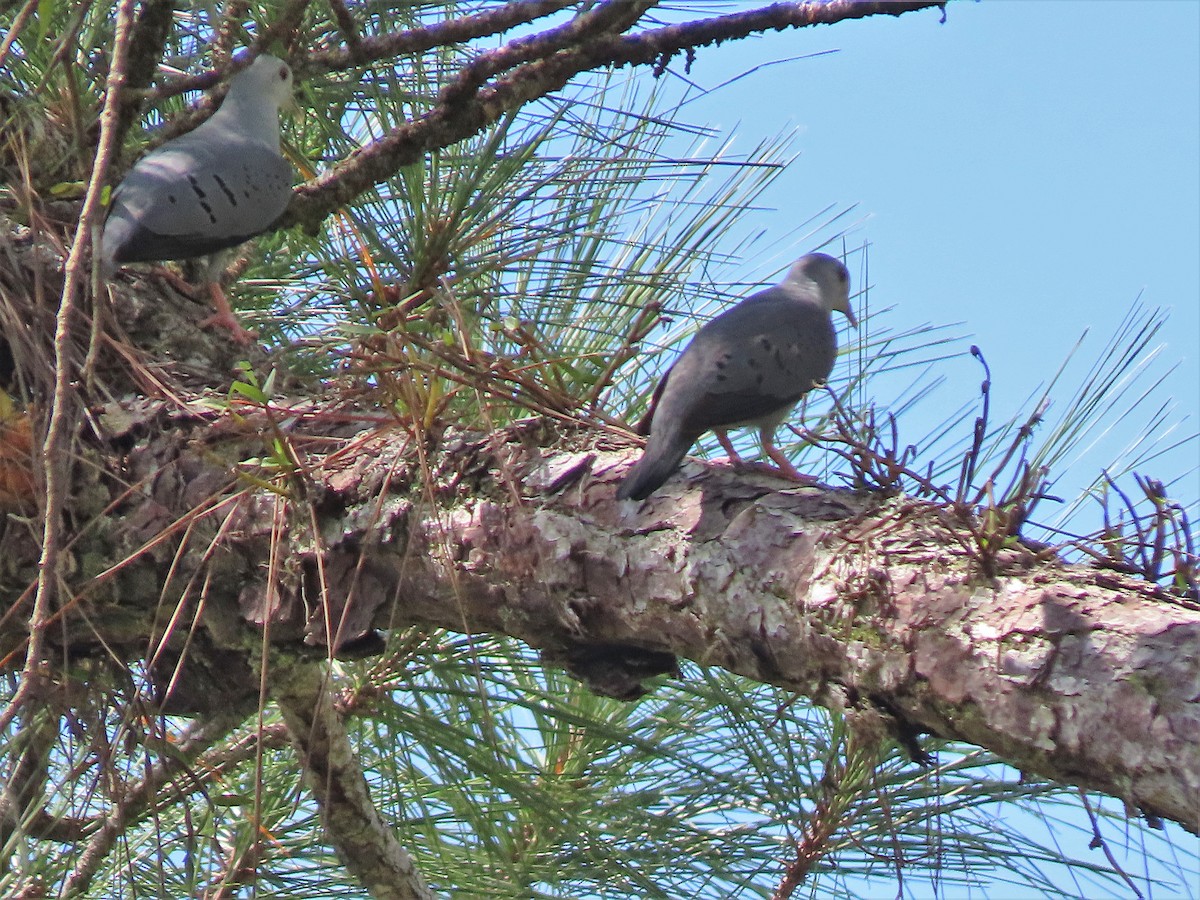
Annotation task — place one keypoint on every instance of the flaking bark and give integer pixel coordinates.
(1066, 671)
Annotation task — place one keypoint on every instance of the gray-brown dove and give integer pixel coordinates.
(210, 189)
(748, 366)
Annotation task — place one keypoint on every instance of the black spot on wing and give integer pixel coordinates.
(229, 195)
(202, 198)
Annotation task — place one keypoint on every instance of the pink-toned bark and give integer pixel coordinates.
(1066, 671)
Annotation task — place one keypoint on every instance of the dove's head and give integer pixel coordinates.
(266, 79)
(251, 108)
(829, 277)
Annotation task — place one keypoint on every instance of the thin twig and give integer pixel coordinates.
(1098, 841)
(15, 29)
(967, 474)
(56, 455)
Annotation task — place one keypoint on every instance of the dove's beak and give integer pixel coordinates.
(850, 316)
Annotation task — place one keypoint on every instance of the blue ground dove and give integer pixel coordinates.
(747, 367)
(210, 189)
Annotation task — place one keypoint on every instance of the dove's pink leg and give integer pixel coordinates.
(727, 446)
(224, 316)
(785, 466)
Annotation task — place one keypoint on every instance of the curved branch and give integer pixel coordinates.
(389, 46)
(363, 841)
(468, 113)
(606, 18)
(452, 31)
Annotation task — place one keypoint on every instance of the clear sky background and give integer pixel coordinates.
(1026, 169)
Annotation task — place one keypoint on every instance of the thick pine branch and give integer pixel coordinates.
(1065, 671)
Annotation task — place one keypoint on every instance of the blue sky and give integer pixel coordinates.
(1026, 169)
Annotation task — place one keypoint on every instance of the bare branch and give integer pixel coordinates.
(612, 16)
(452, 31)
(363, 840)
(451, 122)
(64, 413)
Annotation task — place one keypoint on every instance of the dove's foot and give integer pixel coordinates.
(727, 445)
(783, 466)
(225, 318)
(230, 323)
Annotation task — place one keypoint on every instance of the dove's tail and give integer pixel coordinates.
(663, 455)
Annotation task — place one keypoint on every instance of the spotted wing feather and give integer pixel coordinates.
(192, 198)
